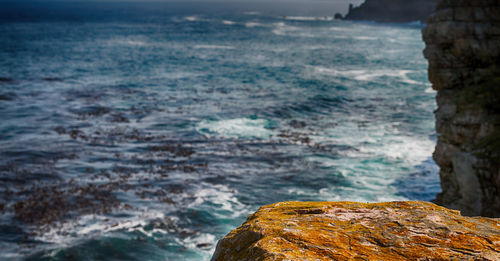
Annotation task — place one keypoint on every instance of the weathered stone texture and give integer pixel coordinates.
(358, 231)
(463, 49)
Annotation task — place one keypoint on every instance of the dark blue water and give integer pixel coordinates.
(148, 132)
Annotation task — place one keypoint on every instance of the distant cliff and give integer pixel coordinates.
(463, 49)
(358, 231)
(392, 10)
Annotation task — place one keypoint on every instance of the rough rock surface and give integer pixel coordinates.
(349, 230)
(463, 49)
(392, 10)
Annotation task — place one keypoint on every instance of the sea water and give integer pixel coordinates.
(148, 132)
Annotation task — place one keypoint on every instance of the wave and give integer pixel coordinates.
(430, 90)
(365, 38)
(367, 75)
(309, 18)
(381, 157)
(221, 196)
(219, 200)
(125, 42)
(94, 225)
(339, 29)
(209, 46)
(253, 24)
(382, 140)
(192, 18)
(228, 22)
(283, 29)
(413, 150)
(235, 128)
(251, 13)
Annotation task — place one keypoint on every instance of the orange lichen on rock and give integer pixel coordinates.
(364, 231)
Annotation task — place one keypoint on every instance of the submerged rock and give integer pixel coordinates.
(349, 230)
(6, 79)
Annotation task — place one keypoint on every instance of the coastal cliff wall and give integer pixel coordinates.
(392, 10)
(463, 49)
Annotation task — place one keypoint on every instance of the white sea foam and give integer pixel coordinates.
(178, 74)
(430, 90)
(411, 149)
(339, 29)
(202, 238)
(381, 154)
(203, 195)
(135, 43)
(309, 18)
(282, 28)
(367, 75)
(365, 38)
(251, 13)
(297, 191)
(357, 194)
(93, 225)
(193, 243)
(228, 22)
(221, 196)
(213, 46)
(192, 18)
(317, 47)
(253, 24)
(126, 42)
(379, 140)
(235, 128)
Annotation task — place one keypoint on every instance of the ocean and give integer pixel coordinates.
(149, 131)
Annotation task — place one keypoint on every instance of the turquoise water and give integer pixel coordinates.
(141, 134)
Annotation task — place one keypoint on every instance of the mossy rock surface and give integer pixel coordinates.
(351, 231)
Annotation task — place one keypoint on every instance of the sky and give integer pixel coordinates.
(276, 7)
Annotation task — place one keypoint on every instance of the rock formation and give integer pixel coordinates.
(348, 230)
(463, 49)
(392, 10)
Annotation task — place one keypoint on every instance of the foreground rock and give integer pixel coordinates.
(392, 10)
(463, 49)
(348, 230)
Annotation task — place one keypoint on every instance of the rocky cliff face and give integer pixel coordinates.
(392, 10)
(348, 230)
(463, 49)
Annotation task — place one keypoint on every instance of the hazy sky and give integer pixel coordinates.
(281, 7)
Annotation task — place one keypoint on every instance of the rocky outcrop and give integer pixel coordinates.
(348, 230)
(392, 10)
(463, 49)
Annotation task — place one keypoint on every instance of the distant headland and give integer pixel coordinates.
(391, 10)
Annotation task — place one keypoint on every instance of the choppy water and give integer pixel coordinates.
(150, 137)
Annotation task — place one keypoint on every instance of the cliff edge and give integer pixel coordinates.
(463, 48)
(349, 230)
(392, 10)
